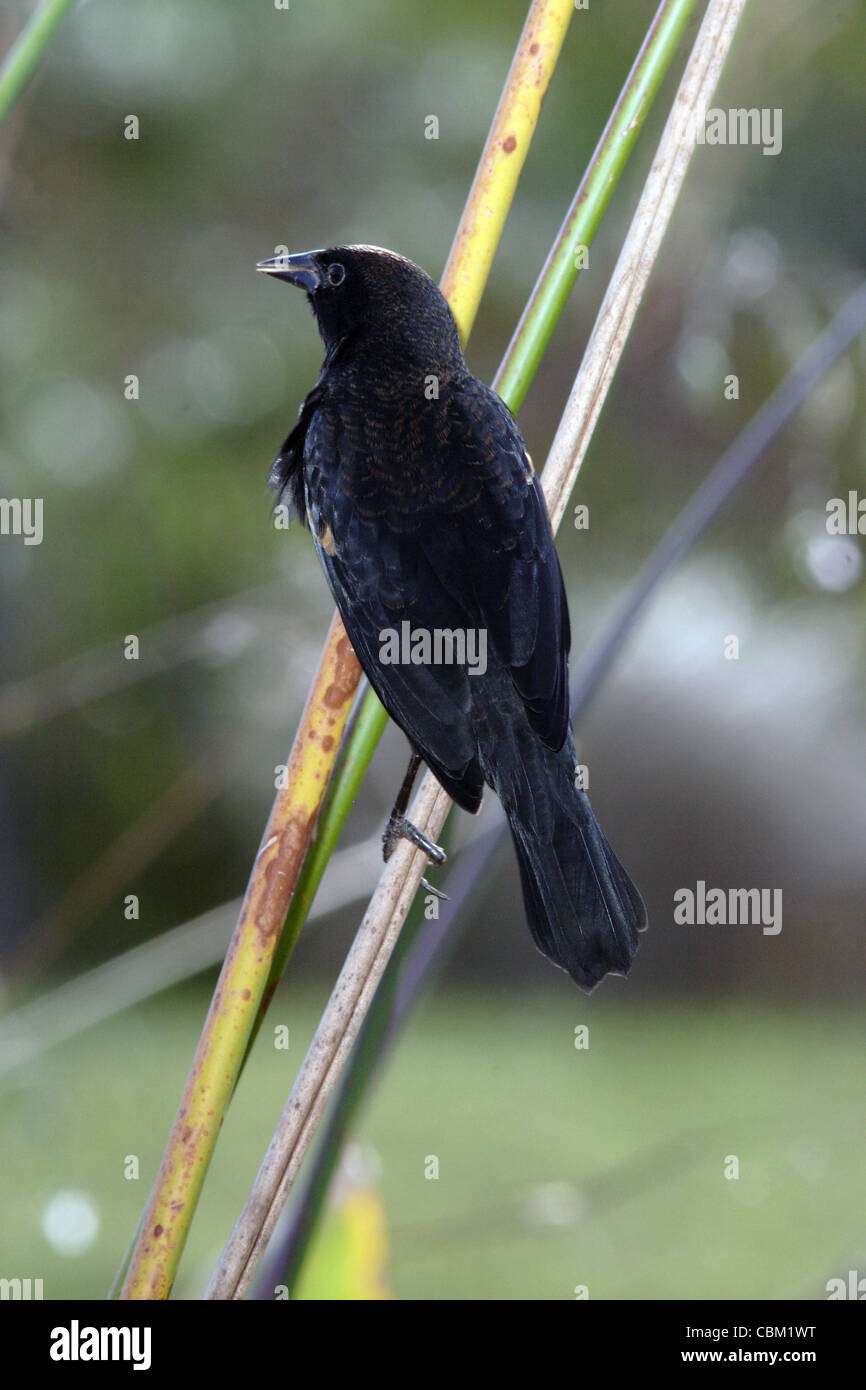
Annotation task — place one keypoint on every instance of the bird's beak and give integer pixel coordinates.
(300, 270)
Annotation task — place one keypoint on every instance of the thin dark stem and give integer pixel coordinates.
(732, 468)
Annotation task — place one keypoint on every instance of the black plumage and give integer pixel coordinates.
(416, 485)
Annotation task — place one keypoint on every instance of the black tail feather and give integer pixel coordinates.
(583, 909)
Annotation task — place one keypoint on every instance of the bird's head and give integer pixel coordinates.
(367, 292)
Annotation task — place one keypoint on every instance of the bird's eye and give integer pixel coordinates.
(336, 273)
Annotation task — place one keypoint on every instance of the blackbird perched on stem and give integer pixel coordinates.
(432, 530)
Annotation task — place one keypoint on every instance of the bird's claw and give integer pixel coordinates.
(437, 892)
(400, 828)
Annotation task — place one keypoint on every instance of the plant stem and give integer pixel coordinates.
(23, 57)
(556, 281)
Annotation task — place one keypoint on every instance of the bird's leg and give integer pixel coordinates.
(399, 827)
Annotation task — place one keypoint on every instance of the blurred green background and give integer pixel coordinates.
(559, 1167)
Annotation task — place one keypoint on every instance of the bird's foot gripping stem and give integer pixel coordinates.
(399, 827)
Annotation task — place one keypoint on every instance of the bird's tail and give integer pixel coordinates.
(583, 909)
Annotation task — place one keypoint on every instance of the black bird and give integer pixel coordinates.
(424, 508)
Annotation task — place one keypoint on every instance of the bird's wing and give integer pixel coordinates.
(501, 537)
(286, 475)
(381, 579)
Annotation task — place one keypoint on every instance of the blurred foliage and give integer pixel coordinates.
(261, 128)
(349, 1257)
(602, 1166)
